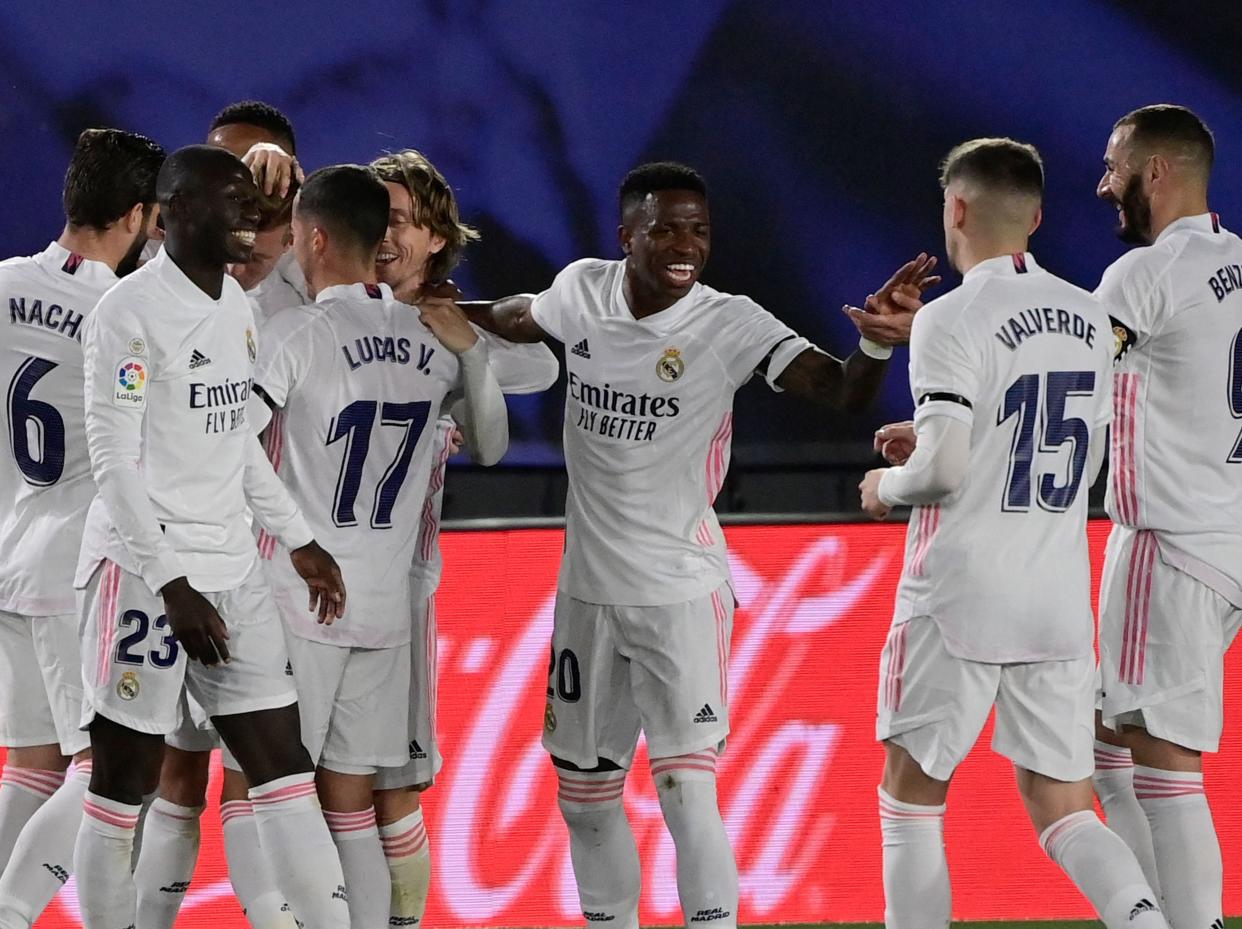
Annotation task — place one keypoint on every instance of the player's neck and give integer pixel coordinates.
(206, 275)
(642, 301)
(1166, 211)
(334, 273)
(973, 253)
(94, 244)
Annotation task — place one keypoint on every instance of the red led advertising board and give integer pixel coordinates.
(797, 783)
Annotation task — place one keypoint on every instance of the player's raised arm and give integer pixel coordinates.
(481, 412)
(509, 317)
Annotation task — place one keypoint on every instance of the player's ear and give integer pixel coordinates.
(625, 237)
(958, 207)
(1039, 218)
(437, 244)
(319, 241)
(132, 220)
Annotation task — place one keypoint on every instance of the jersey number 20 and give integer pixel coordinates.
(1022, 399)
(354, 425)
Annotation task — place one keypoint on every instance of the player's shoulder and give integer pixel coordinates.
(19, 267)
(1142, 268)
(293, 322)
(591, 274)
(137, 294)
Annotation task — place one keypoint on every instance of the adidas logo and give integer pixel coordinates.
(595, 916)
(582, 350)
(416, 751)
(288, 669)
(1143, 906)
(176, 887)
(707, 916)
(1218, 923)
(56, 871)
(705, 715)
(198, 359)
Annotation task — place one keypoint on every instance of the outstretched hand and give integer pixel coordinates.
(887, 314)
(323, 577)
(273, 168)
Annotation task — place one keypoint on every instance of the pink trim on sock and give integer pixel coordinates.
(104, 815)
(1113, 759)
(408, 843)
(192, 818)
(1152, 787)
(889, 811)
(33, 780)
(235, 809)
(292, 792)
(358, 821)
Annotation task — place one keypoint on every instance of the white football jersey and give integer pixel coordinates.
(167, 374)
(284, 288)
(359, 382)
(45, 473)
(648, 424)
(1176, 457)
(1001, 564)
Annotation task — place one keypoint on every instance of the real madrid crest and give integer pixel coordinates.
(127, 688)
(251, 349)
(670, 367)
(549, 718)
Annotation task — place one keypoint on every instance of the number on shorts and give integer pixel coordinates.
(1235, 392)
(164, 656)
(43, 464)
(1022, 399)
(568, 679)
(354, 424)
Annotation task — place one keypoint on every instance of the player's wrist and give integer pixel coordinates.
(874, 349)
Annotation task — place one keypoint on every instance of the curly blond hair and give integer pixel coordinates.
(435, 206)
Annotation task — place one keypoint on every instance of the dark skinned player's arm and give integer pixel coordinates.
(848, 385)
(509, 317)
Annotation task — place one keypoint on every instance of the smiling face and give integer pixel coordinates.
(667, 240)
(407, 248)
(269, 246)
(1122, 186)
(231, 215)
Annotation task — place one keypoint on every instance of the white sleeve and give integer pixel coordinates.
(944, 377)
(937, 466)
(520, 368)
(271, 501)
(756, 336)
(1134, 295)
(114, 413)
(283, 352)
(481, 411)
(552, 308)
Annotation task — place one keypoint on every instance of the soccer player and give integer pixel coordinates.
(372, 375)
(45, 480)
(1171, 596)
(644, 604)
(424, 242)
(173, 595)
(1010, 376)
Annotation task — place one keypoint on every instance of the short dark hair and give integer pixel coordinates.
(1002, 165)
(257, 113)
(109, 173)
(351, 200)
(1173, 126)
(435, 206)
(659, 175)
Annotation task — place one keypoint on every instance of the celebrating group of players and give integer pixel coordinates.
(286, 375)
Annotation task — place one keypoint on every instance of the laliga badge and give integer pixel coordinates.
(130, 389)
(251, 349)
(670, 366)
(549, 718)
(127, 688)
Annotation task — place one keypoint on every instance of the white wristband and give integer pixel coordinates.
(874, 349)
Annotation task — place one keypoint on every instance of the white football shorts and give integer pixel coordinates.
(422, 747)
(935, 706)
(617, 669)
(134, 669)
(41, 682)
(352, 703)
(1163, 638)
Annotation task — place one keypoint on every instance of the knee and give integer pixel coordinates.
(584, 796)
(905, 780)
(183, 778)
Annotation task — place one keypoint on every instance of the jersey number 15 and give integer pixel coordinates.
(1023, 400)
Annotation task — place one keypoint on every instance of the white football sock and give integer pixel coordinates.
(304, 860)
(249, 871)
(1186, 846)
(409, 868)
(166, 862)
(1104, 869)
(42, 860)
(22, 792)
(1114, 785)
(101, 862)
(917, 894)
(364, 866)
(601, 846)
(706, 869)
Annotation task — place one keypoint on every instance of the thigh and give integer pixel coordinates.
(1045, 717)
(423, 759)
(58, 650)
(590, 713)
(132, 667)
(26, 717)
(255, 677)
(679, 666)
(930, 703)
(370, 714)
